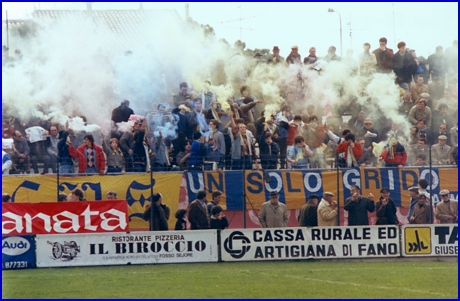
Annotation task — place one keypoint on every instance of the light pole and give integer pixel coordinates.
(330, 10)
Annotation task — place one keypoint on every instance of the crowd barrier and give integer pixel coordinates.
(120, 248)
(244, 191)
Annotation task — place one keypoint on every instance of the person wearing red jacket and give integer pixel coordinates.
(352, 151)
(90, 156)
(394, 155)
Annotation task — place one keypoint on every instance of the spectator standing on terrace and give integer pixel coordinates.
(437, 64)
(454, 134)
(447, 210)
(311, 58)
(198, 213)
(216, 147)
(440, 152)
(308, 216)
(384, 57)
(366, 157)
(350, 150)
(120, 114)
(441, 131)
(294, 56)
(276, 57)
(440, 117)
(386, 209)
(114, 154)
(127, 144)
(65, 159)
(423, 132)
(21, 152)
(52, 142)
(181, 96)
(90, 156)
(273, 214)
(403, 64)
(356, 123)
(369, 133)
(269, 150)
(6, 163)
(207, 96)
(421, 69)
(420, 111)
(197, 152)
(243, 151)
(421, 211)
(331, 56)
(160, 221)
(418, 89)
(328, 211)
(298, 154)
(394, 155)
(358, 206)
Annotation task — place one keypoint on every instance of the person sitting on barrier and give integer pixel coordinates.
(156, 211)
(218, 219)
(197, 212)
(273, 214)
(421, 213)
(358, 206)
(308, 216)
(447, 210)
(76, 196)
(111, 195)
(181, 223)
(386, 209)
(328, 211)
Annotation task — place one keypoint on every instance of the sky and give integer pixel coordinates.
(422, 26)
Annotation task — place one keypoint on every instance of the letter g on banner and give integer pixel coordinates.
(237, 236)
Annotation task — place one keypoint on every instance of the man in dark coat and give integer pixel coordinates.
(386, 209)
(120, 114)
(308, 216)
(384, 57)
(358, 206)
(403, 64)
(198, 213)
(160, 214)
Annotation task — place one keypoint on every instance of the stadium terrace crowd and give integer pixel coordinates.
(236, 133)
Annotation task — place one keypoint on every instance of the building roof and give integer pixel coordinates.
(128, 26)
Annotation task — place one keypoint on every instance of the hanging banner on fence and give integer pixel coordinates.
(317, 242)
(18, 252)
(64, 217)
(430, 240)
(124, 248)
(135, 189)
(178, 190)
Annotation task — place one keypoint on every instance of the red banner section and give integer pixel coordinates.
(64, 218)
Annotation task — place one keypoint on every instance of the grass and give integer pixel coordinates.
(288, 279)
